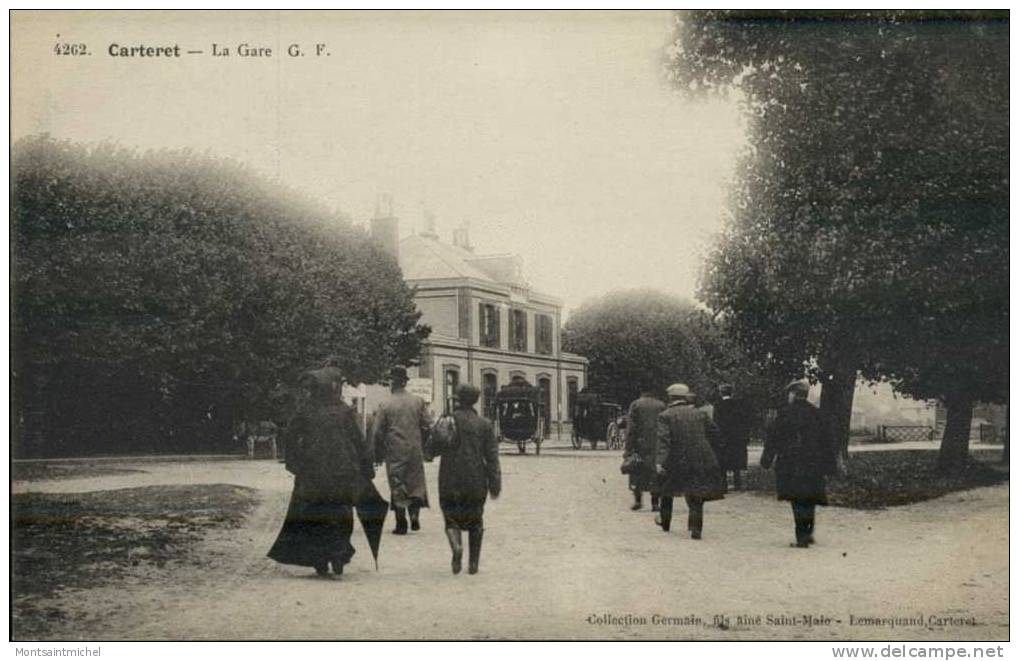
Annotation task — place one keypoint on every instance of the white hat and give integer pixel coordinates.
(678, 390)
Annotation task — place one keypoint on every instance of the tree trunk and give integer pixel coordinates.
(837, 389)
(1004, 440)
(955, 443)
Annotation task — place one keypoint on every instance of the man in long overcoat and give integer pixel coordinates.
(800, 447)
(686, 463)
(468, 473)
(399, 429)
(332, 467)
(733, 417)
(642, 441)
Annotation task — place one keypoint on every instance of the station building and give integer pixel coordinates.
(488, 325)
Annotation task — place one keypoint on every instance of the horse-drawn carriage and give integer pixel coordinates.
(597, 419)
(520, 415)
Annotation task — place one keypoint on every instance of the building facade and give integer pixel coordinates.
(488, 325)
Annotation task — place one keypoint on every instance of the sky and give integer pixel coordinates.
(552, 134)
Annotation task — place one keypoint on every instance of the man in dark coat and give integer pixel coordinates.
(686, 463)
(800, 448)
(468, 473)
(332, 467)
(733, 418)
(642, 442)
(399, 429)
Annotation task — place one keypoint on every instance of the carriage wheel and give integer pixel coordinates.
(614, 437)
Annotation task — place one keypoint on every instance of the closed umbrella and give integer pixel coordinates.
(371, 512)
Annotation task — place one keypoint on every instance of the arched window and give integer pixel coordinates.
(545, 386)
(571, 395)
(451, 379)
(489, 389)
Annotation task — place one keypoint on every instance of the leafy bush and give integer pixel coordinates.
(888, 478)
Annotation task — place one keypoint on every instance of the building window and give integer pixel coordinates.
(450, 382)
(488, 325)
(490, 387)
(545, 386)
(518, 331)
(571, 395)
(543, 334)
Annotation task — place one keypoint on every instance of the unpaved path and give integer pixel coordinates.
(561, 552)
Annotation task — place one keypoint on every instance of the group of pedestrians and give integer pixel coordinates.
(334, 463)
(680, 449)
(673, 449)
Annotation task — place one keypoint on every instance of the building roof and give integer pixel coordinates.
(426, 258)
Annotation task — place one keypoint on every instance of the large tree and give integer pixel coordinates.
(959, 354)
(159, 297)
(878, 161)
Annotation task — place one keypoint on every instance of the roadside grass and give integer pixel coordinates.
(890, 478)
(36, 471)
(80, 540)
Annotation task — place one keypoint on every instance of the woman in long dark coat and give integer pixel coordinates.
(799, 446)
(332, 467)
(686, 461)
(468, 473)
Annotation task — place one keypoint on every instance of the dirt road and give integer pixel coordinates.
(564, 558)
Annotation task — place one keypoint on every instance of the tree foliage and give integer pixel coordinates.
(161, 296)
(642, 338)
(869, 221)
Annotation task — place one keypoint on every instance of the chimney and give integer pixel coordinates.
(462, 237)
(385, 227)
(430, 232)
